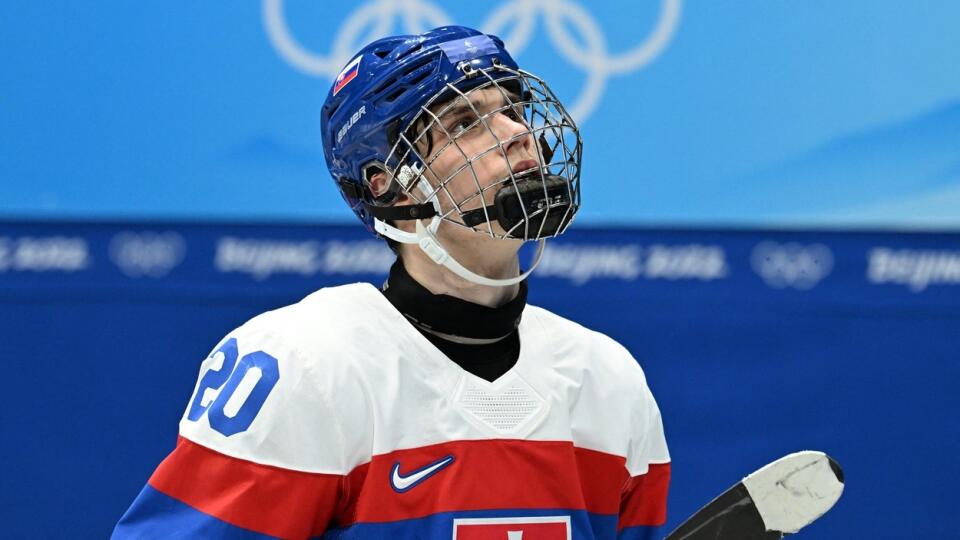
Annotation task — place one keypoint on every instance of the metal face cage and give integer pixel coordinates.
(501, 157)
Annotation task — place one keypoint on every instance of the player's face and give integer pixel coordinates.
(472, 156)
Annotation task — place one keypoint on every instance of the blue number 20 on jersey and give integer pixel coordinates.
(225, 415)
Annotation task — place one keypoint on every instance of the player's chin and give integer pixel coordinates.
(499, 234)
(488, 230)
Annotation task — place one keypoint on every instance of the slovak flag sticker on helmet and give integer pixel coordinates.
(348, 74)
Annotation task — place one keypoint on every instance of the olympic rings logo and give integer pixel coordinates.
(791, 265)
(417, 16)
(148, 253)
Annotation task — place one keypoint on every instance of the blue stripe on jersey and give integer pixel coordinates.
(156, 515)
(585, 525)
(641, 533)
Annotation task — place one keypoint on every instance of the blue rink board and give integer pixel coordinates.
(756, 343)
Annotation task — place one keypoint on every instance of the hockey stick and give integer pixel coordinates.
(777, 499)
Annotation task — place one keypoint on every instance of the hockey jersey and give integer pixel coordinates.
(335, 418)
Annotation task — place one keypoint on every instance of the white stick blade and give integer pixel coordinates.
(795, 490)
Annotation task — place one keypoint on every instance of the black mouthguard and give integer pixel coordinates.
(541, 203)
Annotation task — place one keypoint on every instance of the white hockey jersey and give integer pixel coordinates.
(336, 418)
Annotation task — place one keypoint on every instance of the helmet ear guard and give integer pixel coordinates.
(382, 206)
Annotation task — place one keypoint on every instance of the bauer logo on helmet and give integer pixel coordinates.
(353, 120)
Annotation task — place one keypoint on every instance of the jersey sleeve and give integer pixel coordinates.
(259, 455)
(643, 502)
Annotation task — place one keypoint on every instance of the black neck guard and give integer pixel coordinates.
(451, 318)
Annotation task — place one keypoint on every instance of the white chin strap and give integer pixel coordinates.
(426, 238)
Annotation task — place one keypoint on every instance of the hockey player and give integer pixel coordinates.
(441, 407)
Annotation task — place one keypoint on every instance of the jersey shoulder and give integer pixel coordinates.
(613, 408)
(596, 351)
(320, 319)
(272, 390)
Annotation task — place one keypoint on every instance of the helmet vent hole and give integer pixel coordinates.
(411, 50)
(392, 96)
(416, 79)
(382, 53)
(384, 86)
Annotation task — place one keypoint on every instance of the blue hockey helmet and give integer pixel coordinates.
(390, 87)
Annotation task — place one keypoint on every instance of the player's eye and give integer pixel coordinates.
(513, 114)
(461, 125)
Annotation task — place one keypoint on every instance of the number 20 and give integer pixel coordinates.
(227, 379)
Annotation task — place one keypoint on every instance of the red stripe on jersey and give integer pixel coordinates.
(269, 500)
(487, 475)
(644, 499)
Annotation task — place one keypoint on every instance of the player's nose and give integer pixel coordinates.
(514, 135)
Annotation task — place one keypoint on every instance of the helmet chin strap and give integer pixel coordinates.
(426, 239)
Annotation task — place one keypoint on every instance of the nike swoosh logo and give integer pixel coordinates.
(401, 483)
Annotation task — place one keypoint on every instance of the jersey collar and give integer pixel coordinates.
(449, 317)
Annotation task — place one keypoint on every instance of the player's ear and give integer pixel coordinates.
(379, 183)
